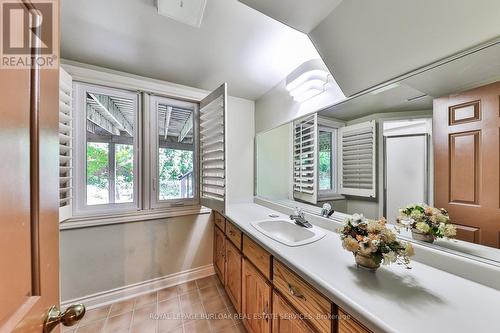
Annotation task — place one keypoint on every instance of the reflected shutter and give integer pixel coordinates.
(304, 159)
(357, 149)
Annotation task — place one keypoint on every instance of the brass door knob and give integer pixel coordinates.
(70, 317)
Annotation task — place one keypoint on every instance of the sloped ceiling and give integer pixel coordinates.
(234, 43)
(365, 43)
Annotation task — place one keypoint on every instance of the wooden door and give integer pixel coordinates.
(285, 319)
(466, 157)
(219, 252)
(232, 275)
(256, 300)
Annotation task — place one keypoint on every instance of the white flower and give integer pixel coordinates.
(389, 258)
(406, 221)
(356, 219)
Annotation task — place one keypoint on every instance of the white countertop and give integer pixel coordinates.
(394, 299)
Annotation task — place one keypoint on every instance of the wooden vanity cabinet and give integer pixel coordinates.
(256, 300)
(347, 324)
(219, 252)
(286, 319)
(232, 275)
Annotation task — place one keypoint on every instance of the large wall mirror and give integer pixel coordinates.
(431, 137)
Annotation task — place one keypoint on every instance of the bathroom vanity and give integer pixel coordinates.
(317, 287)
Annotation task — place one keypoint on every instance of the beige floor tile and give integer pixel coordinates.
(185, 287)
(221, 322)
(122, 307)
(95, 314)
(240, 328)
(175, 330)
(214, 305)
(144, 313)
(209, 293)
(197, 326)
(145, 327)
(167, 293)
(167, 325)
(94, 327)
(145, 299)
(119, 322)
(206, 282)
(192, 311)
(192, 296)
(170, 306)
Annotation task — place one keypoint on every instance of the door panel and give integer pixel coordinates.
(232, 275)
(466, 156)
(256, 300)
(29, 227)
(219, 252)
(285, 319)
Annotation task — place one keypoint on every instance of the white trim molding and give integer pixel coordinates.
(137, 289)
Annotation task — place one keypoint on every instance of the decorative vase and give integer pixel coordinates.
(367, 262)
(420, 236)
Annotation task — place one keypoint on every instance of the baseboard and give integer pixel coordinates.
(136, 289)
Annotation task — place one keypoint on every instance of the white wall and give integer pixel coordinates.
(274, 162)
(240, 150)
(102, 258)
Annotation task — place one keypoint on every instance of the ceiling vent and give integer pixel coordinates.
(185, 11)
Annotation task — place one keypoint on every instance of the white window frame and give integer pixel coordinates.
(333, 162)
(155, 202)
(80, 142)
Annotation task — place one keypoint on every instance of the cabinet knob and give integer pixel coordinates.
(294, 292)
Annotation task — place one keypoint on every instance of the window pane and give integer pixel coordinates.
(110, 148)
(175, 174)
(325, 160)
(175, 152)
(124, 159)
(97, 173)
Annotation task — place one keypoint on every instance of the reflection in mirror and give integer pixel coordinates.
(398, 145)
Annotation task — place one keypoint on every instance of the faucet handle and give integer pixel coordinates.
(299, 212)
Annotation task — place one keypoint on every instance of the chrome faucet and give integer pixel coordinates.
(299, 218)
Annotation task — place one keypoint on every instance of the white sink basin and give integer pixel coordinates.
(287, 232)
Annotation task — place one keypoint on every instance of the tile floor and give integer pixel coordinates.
(197, 306)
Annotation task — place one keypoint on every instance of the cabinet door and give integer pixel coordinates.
(256, 300)
(347, 324)
(219, 253)
(233, 275)
(285, 319)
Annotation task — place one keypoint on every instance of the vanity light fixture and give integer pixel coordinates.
(308, 80)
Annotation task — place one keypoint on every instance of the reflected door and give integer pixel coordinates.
(405, 172)
(466, 154)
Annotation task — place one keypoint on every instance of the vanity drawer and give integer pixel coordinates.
(258, 256)
(234, 234)
(220, 221)
(347, 324)
(303, 297)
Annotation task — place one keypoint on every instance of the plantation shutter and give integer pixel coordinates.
(357, 150)
(65, 145)
(213, 149)
(305, 159)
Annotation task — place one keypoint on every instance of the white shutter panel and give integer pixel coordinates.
(357, 150)
(305, 144)
(213, 149)
(65, 145)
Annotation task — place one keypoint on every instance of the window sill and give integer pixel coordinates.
(109, 219)
(330, 197)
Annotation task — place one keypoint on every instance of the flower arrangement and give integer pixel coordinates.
(373, 243)
(426, 223)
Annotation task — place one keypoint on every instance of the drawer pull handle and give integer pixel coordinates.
(295, 293)
(231, 232)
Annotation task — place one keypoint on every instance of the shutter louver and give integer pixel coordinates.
(304, 159)
(213, 149)
(357, 148)
(65, 145)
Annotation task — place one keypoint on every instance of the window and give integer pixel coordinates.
(174, 152)
(327, 170)
(106, 146)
